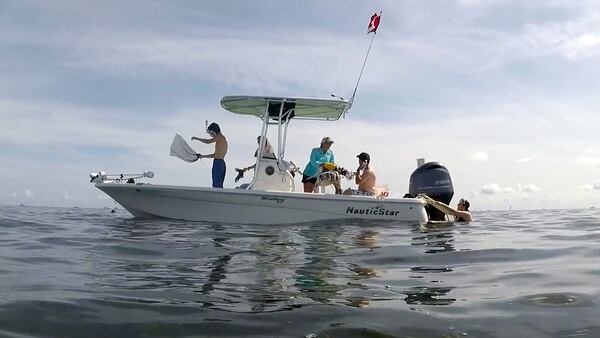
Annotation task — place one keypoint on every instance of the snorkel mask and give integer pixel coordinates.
(213, 129)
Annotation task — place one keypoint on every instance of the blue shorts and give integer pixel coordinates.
(218, 173)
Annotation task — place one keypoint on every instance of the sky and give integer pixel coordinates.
(502, 93)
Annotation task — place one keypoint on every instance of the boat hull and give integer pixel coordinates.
(256, 207)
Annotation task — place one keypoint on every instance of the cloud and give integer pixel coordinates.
(589, 160)
(593, 151)
(469, 2)
(529, 188)
(67, 196)
(576, 38)
(494, 188)
(29, 194)
(490, 189)
(244, 69)
(594, 186)
(480, 156)
(525, 159)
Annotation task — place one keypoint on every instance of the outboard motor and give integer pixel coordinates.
(432, 179)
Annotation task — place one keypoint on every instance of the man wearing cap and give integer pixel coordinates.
(318, 157)
(364, 177)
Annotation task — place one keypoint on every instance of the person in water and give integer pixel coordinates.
(461, 213)
(364, 177)
(219, 168)
(318, 156)
(267, 153)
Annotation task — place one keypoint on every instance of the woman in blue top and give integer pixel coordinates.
(318, 157)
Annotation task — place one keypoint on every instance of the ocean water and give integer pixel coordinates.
(70, 272)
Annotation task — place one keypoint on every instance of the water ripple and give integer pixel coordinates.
(76, 272)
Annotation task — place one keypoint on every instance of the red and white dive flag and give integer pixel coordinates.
(374, 23)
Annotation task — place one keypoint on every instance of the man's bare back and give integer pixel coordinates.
(366, 181)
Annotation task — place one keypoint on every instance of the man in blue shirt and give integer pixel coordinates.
(318, 157)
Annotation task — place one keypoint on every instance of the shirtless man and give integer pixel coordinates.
(364, 177)
(219, 168)
(461, 213)
(267, 153)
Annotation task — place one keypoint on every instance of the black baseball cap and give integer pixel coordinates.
(364, 156)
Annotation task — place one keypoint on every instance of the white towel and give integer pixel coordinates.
(181, 149)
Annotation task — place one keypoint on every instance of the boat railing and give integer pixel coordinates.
(102, 177)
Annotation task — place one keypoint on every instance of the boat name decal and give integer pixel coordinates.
(271, 198)
(378, 211)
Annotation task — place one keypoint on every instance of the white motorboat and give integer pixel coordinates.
(270, 197)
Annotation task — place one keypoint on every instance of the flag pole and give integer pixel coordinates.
(363, 65)
(361, 71)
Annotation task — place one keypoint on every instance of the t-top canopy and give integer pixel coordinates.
(303, 108)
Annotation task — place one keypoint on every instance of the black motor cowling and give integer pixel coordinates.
(432, 179)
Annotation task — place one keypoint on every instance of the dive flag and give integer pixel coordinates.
(374, 23)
